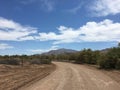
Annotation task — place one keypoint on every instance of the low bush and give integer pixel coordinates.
(107, 64)
(40, 61)
(35, 61)
(118, 64)
(10, 62)
(45, 61)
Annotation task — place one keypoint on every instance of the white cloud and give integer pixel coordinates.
(43, 50)
(10, 30)
(105, 7)
(4, 46)
(103, 31)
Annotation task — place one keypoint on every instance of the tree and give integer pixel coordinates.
(72, 56)
(119, 44)
(80, 57)
(23, 59)
(110, 59)
(118, 64)
(95, 57)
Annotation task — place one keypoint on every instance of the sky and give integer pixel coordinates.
(37, 26)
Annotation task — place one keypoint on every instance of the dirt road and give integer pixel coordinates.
(74, 77)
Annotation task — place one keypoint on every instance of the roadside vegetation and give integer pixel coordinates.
(109, 59)
(17, 71)
(24, 59)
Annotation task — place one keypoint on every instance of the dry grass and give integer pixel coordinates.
(14, 77)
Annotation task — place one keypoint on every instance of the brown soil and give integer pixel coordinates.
(14, 77)
(69, 76)
(114, 74)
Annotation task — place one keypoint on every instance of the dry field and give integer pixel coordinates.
(14, 77)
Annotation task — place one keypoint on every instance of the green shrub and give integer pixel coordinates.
(80, 58)
(35, 61)
(87, 56)
(40, 61)
(10, 62)
(45, 61)
(106, 63)
(118, 64)
(95, 57)
(110, 60)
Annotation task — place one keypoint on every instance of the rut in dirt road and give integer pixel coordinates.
(74, 77)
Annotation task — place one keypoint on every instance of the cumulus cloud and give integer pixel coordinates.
(104, 31)
(10, 30)
(4, 46)
(43, 50)
(105, 7)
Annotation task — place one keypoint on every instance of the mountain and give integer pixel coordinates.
(105, 50)
(60, 51)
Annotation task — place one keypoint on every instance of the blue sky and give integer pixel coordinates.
(36, 26)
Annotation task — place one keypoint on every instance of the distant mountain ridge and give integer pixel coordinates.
(105, 50)
(64, 51)
(59, 51)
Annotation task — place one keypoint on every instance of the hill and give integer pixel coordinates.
(60, 51)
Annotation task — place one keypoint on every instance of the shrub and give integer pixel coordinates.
(88, 56)
(45, 61)
(95, 57)
(110, 60)
(80, 58)
(114, 53)
(35, 61)
(106, 63)
(10, 62)
(118, 64)
(40, 61)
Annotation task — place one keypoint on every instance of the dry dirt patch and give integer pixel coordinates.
(13, 77)
(114, 74)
